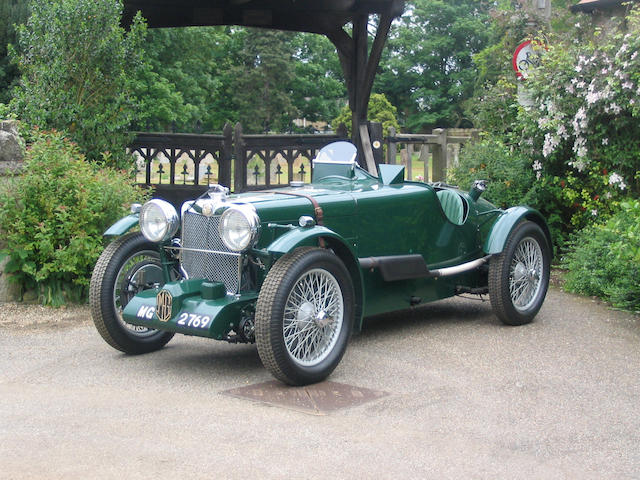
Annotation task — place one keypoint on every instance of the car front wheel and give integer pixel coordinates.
(304, 316)
(128, 265)
(519, 276)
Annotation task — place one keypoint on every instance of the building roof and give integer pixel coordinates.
(589, 6)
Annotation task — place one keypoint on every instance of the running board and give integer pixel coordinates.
(409, 267)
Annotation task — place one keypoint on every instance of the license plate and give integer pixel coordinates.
(192, 320)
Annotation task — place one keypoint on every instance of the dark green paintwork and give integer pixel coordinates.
(364, 216)
(224, 312)
(123, 225)
(497, 238)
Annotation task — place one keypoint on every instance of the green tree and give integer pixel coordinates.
(264, 80)
(428, 70)
(186, 90)
(318, 90)
(12, 12)
(380, 110)
(78, 68)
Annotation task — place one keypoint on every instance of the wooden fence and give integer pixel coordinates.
(182, 166)
(437, 151)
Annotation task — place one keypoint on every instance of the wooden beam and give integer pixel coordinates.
(374, 59)
(367, 149)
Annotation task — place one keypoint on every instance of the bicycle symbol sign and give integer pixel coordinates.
(525, 58)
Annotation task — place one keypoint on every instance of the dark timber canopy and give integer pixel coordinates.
(325, 17)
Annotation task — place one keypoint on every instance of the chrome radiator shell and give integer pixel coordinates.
(204, 254)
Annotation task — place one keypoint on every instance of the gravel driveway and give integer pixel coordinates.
(466, 398)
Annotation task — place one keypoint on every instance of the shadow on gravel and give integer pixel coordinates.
(461, 311)
(212, 358)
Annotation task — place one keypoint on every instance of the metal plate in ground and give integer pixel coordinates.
(317, 399)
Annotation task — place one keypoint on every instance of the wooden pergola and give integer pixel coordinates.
(326, 17)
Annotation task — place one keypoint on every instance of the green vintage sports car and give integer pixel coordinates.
(296, 270)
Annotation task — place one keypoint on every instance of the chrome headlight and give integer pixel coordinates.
(159, 221)
(239, 226)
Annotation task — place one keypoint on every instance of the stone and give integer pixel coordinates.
(11, 148)
(9, 291)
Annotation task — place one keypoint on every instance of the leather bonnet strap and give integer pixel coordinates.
(316, 206)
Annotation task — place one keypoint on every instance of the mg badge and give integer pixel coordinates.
(163, 305)
(207, 209)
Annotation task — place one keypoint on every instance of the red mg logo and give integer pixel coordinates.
(163, 305)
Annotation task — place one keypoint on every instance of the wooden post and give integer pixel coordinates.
(392, 147)
(240, 177)
(365, 141)
(375, 130)
(424, 157)
(439, 155)
(226, 156)
(409, 159)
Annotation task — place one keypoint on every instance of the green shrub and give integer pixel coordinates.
(53, 217)
(510, 175)
(605, 259)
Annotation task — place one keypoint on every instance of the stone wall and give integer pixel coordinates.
(11, 156)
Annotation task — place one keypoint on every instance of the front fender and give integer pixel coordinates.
(123, 225)
(301, 237)
(305, 236)
(504, 225)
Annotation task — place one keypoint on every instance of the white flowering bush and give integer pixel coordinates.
(583, 132)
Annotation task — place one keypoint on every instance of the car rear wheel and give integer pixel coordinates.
(519, 276)
(304, 316)
(128, 265)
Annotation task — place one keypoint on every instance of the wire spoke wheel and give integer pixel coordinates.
(313, 317)
(304, 316)
(525, 277)
(129, 265)
(140, 271)
(519, 276)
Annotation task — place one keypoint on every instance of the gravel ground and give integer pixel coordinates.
(34, 317)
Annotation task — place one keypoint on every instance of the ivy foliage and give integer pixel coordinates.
(54, 214)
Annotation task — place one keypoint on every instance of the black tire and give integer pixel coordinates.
(125, 262)
(519, 276)
(302, 340)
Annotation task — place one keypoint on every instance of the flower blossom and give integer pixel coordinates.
(616, 178)
(593, 97)
(579, 165)
(550, 144)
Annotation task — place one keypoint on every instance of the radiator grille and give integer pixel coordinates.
(201, 232)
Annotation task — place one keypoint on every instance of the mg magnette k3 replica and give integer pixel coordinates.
(296, 269)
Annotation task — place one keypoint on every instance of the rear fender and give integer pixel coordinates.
(502, 228)
(305, 236)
